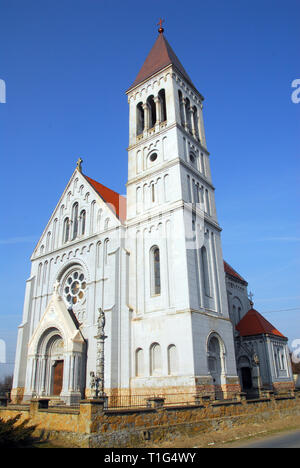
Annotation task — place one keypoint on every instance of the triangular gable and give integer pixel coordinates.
(253, 323)
(119, 212)
(160, 56)
(57, 316)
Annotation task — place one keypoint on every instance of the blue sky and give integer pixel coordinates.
(67, 65)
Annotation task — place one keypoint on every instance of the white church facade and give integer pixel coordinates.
(152, 262)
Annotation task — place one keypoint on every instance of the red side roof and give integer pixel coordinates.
(159, 57)
(114, 199)
(231, 272)
(253, 323)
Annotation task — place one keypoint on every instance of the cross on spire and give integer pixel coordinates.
(250, 295)
(160, 23)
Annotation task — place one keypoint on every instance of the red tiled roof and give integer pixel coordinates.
(114, 199)
(231, 272)
(253, 323)
(158, 58)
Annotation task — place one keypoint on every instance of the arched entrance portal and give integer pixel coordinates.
(245, 372)
(216, 365)
(56, 356)
(57, 370)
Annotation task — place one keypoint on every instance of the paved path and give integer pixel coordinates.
(286, 440)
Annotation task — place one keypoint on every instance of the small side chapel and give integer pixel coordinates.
(151, 262)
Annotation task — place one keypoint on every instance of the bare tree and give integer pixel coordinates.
(6, 385)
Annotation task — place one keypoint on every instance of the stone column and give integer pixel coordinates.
(43, 374)
(146, 117)
(185, 124)
(158, 110)
(191, 111)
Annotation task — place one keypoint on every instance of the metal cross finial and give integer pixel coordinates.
(160, 23)
(79, 164)
(251, 295)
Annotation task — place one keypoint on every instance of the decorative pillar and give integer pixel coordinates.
(146, 117)
(183, 104)
(97, 380)
(191, 111)
(158, 110)
(43, 375)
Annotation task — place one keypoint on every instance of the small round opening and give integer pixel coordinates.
(153, 157)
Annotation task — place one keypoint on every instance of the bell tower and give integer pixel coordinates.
(177, 283)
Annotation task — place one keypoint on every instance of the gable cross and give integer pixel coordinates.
(251, 295)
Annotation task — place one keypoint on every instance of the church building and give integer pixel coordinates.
(178, 320)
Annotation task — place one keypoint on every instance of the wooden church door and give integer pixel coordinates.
(58, 377)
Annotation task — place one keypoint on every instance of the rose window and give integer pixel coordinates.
(74, 287)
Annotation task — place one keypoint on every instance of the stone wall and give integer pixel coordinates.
(93, 426)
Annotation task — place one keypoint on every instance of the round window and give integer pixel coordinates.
(74, 287)
(153, 157)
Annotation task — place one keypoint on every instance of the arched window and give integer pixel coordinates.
(193, 159)
(155, 271)
(214, 357)
(82, 222)
(205, 271)
(202, 164)
(155, 359)
(181, 108)
(48, 241)
(153, 192)
(237, 309)
(66, 233)
(152, 111)
(163, 106)
(75, 220)
(195, 122)
(207, 204)
(106, 242)
(188, 115)
(172, 360)
(140, 118)
(139, 362)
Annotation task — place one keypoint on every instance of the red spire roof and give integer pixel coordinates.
(117, 202)
(253, 323)
(160, 56)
